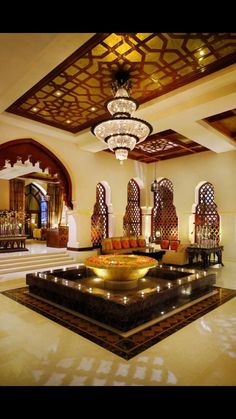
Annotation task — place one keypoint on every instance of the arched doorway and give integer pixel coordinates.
(36, 209)
(27, 151)
(25, 161)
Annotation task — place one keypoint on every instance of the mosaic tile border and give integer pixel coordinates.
(125, 347)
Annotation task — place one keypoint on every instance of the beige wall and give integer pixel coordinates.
(87, 169)
(4, 194)
(186, 173)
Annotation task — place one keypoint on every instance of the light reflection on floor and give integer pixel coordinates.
(36, 351)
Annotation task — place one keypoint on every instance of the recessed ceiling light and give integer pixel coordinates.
(93, 108)
(34, 109)
(58, 93)
(154, 78)
(202, 52)
(68, 121)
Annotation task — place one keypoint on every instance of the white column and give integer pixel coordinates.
(73, 223)
(146, 222)
(111, 221)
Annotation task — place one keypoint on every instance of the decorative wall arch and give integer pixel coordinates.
(99, 219)
(111, 218)
(40, 211)
(29, 149)
(164, 221)
(206, 217)
(132, 221)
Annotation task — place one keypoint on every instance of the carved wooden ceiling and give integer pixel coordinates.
(164, 145)
(224, 122)
(73, 95)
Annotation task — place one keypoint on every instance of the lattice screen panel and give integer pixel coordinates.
(132, 221)
(99, 219)
(207, 220)
(164, 219)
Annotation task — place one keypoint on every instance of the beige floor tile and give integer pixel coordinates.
(35, 351)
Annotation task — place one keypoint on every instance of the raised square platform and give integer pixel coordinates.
(161, 291)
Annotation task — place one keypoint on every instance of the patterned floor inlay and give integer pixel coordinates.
(134, 344)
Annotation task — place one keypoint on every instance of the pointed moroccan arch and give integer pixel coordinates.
(29, 149)
(132, 221)
(164, 221)
(207, 219)
(99, 219)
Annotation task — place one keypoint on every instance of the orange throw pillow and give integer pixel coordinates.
(165, 244)
(107, 244)
(116, 243)
(141, 241)
(125, 243)
(133, 242)
(174, 244)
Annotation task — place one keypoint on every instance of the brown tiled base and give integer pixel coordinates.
(125, 347)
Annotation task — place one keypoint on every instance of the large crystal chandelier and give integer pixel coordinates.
(122, 132)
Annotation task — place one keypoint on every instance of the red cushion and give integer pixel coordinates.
(174, 244)
(116, 244)
(125, 243)
(165, 244)
(133, 242)
(141, 241)
(107, 244)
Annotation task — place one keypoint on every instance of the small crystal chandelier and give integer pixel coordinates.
(122, 132)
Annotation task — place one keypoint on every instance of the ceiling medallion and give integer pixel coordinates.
(122, 132)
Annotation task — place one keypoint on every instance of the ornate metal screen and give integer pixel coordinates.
(99, 219)
(132, 221)
(17, 195)
(163, 217)
(207, 220)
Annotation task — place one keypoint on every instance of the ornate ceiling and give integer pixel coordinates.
(72, 96)
(164, 145)
(224, 122)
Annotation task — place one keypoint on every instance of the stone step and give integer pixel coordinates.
(12, 257)
(20, 263)
(38, 266)
(34, 259)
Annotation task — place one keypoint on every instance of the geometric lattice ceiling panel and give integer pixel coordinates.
(224, 122)
(73, 95)
(164, 145)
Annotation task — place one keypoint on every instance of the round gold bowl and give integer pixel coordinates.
(122, 271)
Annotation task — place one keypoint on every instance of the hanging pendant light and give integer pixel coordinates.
(122, 132)
(154, 185)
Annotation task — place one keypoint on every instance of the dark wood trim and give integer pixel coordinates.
(57, 70)
(28, 148)
(81, 249)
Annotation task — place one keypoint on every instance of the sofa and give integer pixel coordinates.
(123, 245)
(176, 257)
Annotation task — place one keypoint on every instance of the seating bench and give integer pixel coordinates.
(123, 245)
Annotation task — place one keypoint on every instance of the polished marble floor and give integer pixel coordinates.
(35, 351)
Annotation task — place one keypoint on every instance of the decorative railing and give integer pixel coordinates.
(12, 223)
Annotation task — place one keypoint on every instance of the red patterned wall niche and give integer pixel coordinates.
(99, 219)
(163, 217)
(207, 220)
(132, 221)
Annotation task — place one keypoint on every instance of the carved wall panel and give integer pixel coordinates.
(99, 219)
(207, 220)
(164, 221)
(27, 148)
(132, 221)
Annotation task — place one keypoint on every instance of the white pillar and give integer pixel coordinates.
(146, 222)
(111, 221)
(73, 223)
